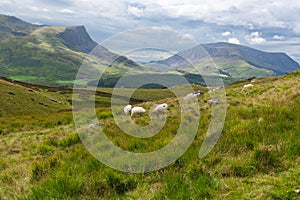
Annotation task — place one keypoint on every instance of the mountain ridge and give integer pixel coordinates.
(276, 63)
(52, 55)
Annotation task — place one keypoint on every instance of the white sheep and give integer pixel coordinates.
(136, 110)
(193, 95)
(127, 109)
(247, 86)
(161, 107)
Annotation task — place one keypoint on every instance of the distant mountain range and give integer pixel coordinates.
(52, 55)
(232, 60)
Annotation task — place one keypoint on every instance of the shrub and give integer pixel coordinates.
(69, 141)
(41, 168)
(45, 149)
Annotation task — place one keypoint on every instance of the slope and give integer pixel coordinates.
(257, 156)
(18, 100)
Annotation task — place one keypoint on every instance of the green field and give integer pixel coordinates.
(257, 156)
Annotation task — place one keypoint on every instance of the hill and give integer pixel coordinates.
(52, 55)
(233, 60)
(257, 156)
(19, 100)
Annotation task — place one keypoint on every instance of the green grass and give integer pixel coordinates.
(26, 78)
(257, 156)
(19, 100)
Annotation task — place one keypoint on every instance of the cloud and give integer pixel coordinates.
(278, 37)
(227, 33)
(135, 11)
(255, 38)
(67, 11)
(234, 41)
(200, 19)
(296, 28)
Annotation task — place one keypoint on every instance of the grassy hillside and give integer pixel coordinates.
(236, 68)
(257, 156)
(20, 100)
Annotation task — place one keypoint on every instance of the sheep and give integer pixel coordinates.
(214, 102)
(247, 86)
(193, 95)
(136, 110)
(161, 107)
(127, 109)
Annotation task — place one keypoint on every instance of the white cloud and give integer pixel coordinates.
(37, 9)
(278, 37)
(227, 33)
(188, 36)
(296, 28)
(66, 11)
(135, 11)
(234, 41)
(255, 38)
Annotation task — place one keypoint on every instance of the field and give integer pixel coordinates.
(257, 156)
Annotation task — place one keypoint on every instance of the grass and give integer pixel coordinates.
(19, 100)
(257, 156)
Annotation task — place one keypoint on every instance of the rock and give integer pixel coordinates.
(54, 100)
(43, 104)
(214, 102)
(272, 90)
(95, 125)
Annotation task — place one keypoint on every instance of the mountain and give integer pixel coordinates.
(52, 55)
(232, 60)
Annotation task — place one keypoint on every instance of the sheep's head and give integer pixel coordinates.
(164, 106)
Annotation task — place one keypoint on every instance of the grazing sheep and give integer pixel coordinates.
(193, 95)
(214, 102)
(136, 110)
(161, 107)
(127, 109)
(247, 86)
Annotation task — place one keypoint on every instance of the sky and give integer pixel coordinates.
(270, 25)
